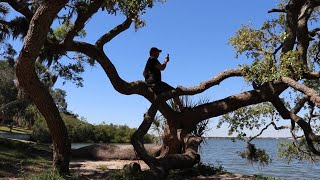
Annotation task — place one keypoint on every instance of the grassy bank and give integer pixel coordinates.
(20, 159)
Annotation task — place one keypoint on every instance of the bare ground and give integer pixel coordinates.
(102, 169)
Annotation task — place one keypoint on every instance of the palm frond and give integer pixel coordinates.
(4, 32)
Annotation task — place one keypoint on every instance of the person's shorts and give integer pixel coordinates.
(160, 87)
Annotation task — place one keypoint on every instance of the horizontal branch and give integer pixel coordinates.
(210, 83)
(276, 10)
(312, 75)
(180, 90)
(229, 104)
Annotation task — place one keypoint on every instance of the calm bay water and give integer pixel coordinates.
(224, 152)
(218, 151)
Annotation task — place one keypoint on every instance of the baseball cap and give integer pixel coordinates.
(153, 49)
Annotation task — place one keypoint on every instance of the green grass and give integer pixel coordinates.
(48, 174)
(20, 159)
(20, 130)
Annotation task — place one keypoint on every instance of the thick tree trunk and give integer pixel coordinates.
(184, 145)
(170, 142)
(37, 92)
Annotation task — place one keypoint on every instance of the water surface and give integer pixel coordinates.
(224, 152)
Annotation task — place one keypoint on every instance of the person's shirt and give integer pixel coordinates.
(153, 74)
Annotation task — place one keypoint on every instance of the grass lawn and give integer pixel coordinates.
(16, 130)
(20, 159)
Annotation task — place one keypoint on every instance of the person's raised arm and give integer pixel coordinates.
(164, 64)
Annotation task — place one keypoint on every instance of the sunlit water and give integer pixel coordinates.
(223, 152)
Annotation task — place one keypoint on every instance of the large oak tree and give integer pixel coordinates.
(284, 52)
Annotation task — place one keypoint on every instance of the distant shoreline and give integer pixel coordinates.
(226, 137)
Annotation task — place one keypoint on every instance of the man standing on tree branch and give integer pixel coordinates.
(152, 75)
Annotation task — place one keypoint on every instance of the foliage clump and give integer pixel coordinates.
(297, 150)
(248, 118)
(252, 154)
(262, 46)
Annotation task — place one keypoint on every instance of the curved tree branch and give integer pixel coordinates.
(276, 10)
(314, 96)
(180, 90)
(307, 130)
(82, 19)
(210, 83)
(137, 140)
(113, 33)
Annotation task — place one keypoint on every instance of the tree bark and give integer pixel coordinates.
(179, 160)
(37, 92)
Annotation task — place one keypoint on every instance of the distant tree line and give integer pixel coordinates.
(81, 131)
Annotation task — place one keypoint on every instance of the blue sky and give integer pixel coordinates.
(194, 33)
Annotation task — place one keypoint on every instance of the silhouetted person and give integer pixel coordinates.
(152, 75)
